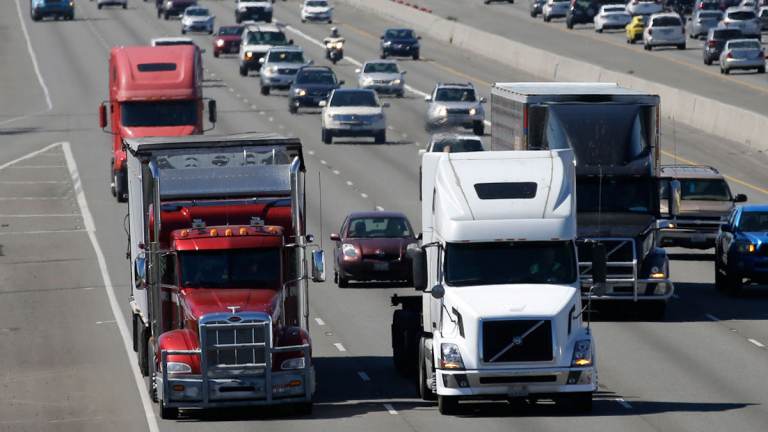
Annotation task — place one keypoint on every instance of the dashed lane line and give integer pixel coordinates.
(319, 321)
(363, 376)
(756, 343)
(340, 347)
(390, 409)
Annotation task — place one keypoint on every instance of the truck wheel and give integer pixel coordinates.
(292, 108)
(265, 90)
(342, 282)
(416, 55)
(406, 335)
(166, 16)
(326, 136)
(142, 354)
(135, 333)
(569, 24)
(448, 405)
(152, 381)
(478, 128)
(381, 137)
(733, 284)
(425, 388)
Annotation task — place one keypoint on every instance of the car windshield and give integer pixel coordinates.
(753, 221)
(510, 263)
(457, 145)
(741, 15)
(448, 94)
(711, 15)
(745, 44)
(354, 98)
(399, 34)
(158, 114)
(666, 21)
(286, 57)
(616, 195)
(317, 3)
(197, 12)
(380, 68)
(316, 77)
(267, 38)
(372, 227)
(232, 268)
(230, 31)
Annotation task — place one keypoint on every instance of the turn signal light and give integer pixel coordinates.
(178, 387)
(243, 231)
(228, 232)
(294, 383)
(214, 232)
(583, 362)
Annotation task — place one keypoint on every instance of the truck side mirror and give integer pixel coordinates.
(335, 237)
(599, 268)
(318, 265)
(140, 271)
(674, 197)
(437, 291)
(740, 198)
(102, 116)
(418, 265)
(212, 114)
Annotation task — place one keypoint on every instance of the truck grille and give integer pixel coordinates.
(245, 343)
(704, 225)
(620, 256)
(517, 341)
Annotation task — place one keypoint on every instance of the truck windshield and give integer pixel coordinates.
(158, 114)
(233, 268)
(615, 195)
(601, 134)
(497, 263)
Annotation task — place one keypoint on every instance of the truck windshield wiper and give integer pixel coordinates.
(466, 281)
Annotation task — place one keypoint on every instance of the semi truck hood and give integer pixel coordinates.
(501, 301)
(203, 301)
(623, 225)
(139, 132)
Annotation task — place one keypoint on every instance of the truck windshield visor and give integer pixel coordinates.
(158, 114)
(495, 263)
(233, 268)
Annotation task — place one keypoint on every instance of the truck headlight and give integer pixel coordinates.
(338, 45)
(220, 43)
(582, 353)
(441, 111)
(294, 363)
(451, 357)
(349, 251)
(657, 273)
(178, 368)
(745, 247)
(169, 4)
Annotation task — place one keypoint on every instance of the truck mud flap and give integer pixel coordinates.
(406, 334)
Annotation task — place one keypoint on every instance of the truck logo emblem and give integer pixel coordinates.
(516, 341)
(233, 309)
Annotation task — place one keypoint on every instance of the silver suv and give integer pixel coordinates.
(705, 201)
(383, 76)
(455, 105)
(279, 67)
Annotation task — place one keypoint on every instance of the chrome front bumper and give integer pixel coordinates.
(508, 383)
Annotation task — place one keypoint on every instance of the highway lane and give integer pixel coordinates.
(358, 318)
(683, 70)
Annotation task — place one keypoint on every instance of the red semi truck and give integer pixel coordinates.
(153, 91)
(218, 257)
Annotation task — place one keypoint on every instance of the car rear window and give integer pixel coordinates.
(666, 22)
(726, 34)
(741, 15)
(747, 44)
(354, 98)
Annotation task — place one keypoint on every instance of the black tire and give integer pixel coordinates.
(327, 136)
(35, 17)
(416, 55)
(761, 70)
(533, 14)
(655, 310)
(478, 128)
(166, 16)
(292, 108)
(238, 19)
(425, 390)
(406, 336)
(98, 7)
(268, 20)
(304, 408)
(243, 71)
(733, 284)
(380, 138)
(342, 282)
(569, 24)
(383, 55)
(400, 95)
(707, 61)
(135, 333)
(726, 71)
(125, 6)
(265, 90)
(183, 31)
(216, 54)
(546, 18)
(681, 46)
(143, 347)
(448, 405)
(334, 60)
(330, 21)
(599, 30)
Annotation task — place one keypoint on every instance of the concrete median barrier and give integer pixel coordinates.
(697, 111)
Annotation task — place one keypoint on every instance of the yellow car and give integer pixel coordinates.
(635, 28)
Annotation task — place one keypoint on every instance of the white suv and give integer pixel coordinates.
(664, 29)
(257, 40)
(316, 10)
(354, 112)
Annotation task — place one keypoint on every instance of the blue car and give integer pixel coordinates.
(741, 249)
(400, 43)
(59, 9)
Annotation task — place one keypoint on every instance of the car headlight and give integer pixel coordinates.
(169, 4)
(178, 368)
(745, 247)
(294, 363)
(441, 111)
(387, 43)
(582, 353)
(367, 81)
(349, 250)
(248, 55)
(397, 81)
(472, 111)
(451, 357)
(300, 92)
(220, 43)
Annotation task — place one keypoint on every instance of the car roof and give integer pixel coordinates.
(316, 68)
(739, 9)
(353, 90)
(381, 61)
(362, 214)
(453, 135)
(665, 14)
(263, 28)
(689, 171)
(287, 48)
(743, 40)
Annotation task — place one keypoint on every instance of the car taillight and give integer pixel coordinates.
(729, 55)
(712, 44)
(650, 31)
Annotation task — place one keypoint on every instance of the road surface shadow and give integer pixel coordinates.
(691, 256)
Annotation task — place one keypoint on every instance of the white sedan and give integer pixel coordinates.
(611, 17)
(196, 19)
(353, 112)
(316, 10)
(644, 7)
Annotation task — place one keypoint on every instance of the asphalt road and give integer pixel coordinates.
(679, 69)
(64, 360)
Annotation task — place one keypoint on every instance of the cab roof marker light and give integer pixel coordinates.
(214, 232)
(228, 232)
(243, 231)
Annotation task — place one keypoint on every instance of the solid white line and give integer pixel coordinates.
(37, 166)
(363, 376)
(379, 208)
(364, 195)
(323, 162)
(712, 317)
(27, 156)
(390, 409)
(349, 183)
(105, 322)
(39, 215)
(34, 182)
(624, 403)
(339, 347)
(253, 107)
(117, 312)
(31, 198)
(41, 232)
(319, 322)
(311, 152)
(337, 172)
(756, 343)
(34, 58)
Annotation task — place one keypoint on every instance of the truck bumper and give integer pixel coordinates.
(688, 238)
(511, 383)
(640, 290)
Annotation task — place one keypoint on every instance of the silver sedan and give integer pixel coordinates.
(383, 76)
(742, 54)
(701, 21)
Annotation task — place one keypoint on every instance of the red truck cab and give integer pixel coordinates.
(153, 91)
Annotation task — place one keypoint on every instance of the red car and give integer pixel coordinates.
(372, 246)
(227, 40)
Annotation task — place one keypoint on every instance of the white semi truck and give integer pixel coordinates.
(500, 316)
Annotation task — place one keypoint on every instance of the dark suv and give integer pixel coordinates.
(741, 249)
(705, 201)
(716, 39)
(584, 11)
(312, 85)
(401, 43)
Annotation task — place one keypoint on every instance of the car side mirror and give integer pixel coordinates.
(318, 265)
(381, 37)
(357, 71)
(212, 113)
(418, 265)
(599, 268)
(262, 60)
(322, 104)
(102, 115)
(740, 198)
(428, 98)
(483, 100)
(335, 237)
(674, 197)
(403, 72)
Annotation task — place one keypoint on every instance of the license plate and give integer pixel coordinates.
(517, 391)
(381, 266)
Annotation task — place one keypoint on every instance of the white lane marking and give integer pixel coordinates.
(340, 347)
(379, 208)
(39, 215)
(624, 403)
(756, 343)
(245, 100)
(238, 96)
(41, 232)
(322, 161)
(117, 311)
(311, 152)
(712, 317)
(337, 172)
(106, 322)
(33, 182)
(349, 183)
(319, 321)
(390, 409)
(231, 90)
(363, 376)
(364, 195)
(31, 198)
(253, 107)
(36, 166)
(271, 119)
(33, 56)
(261, 113)
(27, 156)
